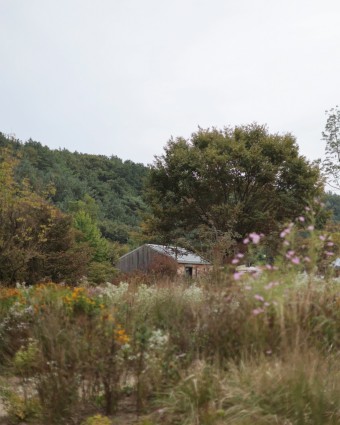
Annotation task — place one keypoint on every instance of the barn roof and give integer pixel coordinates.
(181, 255)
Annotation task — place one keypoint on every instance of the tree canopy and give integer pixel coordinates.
(236, 180)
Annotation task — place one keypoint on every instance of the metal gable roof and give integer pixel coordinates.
(181, 255)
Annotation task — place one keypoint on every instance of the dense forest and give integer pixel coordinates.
(115, 185)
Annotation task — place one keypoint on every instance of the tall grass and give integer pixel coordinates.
(248, 349)
(301, 389)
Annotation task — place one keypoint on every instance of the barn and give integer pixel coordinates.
(143, 258)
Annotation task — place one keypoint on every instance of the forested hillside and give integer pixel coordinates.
(114, 185)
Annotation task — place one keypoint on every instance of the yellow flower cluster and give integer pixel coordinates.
(120, 335)
(76, 295)
(6, 293)
(8, 296)
(78, 300)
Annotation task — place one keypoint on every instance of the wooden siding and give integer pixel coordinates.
(142, 258)
(138, 259)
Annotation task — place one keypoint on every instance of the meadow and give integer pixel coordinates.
(232, 348)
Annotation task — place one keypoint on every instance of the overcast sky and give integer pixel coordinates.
(119, 77)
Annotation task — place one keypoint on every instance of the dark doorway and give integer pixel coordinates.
(188, 271)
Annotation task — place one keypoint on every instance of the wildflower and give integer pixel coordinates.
(290, 253)
(271, 285)
(246, 241)
(295, 260)
(235, 261)
(286, 243)
(120, 335)
(258, 297)
(322, 237)
(307, 208)
(307, 260)
(267, 304)
(330, 244)
(283, 233)
(269, 352)
(238, 275)
(255, 237)
(240, 255)
(301, 218)
(310, 228)
(329, 253)
(257, 311)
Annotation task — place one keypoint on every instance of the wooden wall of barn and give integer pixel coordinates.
(139, 259)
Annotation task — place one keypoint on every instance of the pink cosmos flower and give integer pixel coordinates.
(286, 231)
(330, 243)
(257, 311)
(271, 285)
(301, 218)
(258, 297)
(307, 208)
(290, 253)
(310, 228)
(295, 260)
(245, 241)
(329, 253)
(255, 237)
(322, 238)
(237, 275)
(235, 261)
(240, 255)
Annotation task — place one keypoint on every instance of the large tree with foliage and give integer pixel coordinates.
(36, 239)
(331, 135)
(231, 181)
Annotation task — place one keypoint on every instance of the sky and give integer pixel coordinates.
(120, 77)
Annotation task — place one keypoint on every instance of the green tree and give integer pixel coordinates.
(91, 234)
(36, 238)
(232, 181)
(100, 267)
(331, 135)
(332, 203)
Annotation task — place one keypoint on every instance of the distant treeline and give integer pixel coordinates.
(115, 185)
(332, 203)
